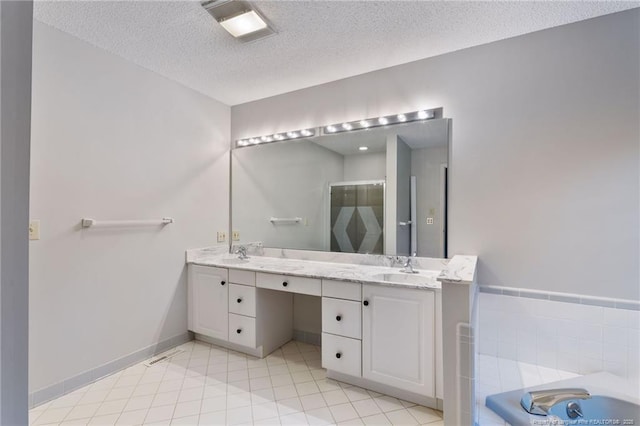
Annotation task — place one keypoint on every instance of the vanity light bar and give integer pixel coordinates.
(407, 117)
(277, 137)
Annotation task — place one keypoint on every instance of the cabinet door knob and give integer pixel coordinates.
(284, 284)
(239, 299)
(223, 282)
(338, 355)
(239, 331)
(338, 318)
(365, 303)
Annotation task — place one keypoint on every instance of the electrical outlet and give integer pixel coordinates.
(429, 221)
(222, 236)
(235, 235)
(34, 230)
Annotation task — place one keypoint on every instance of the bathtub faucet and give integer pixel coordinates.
(540, 402)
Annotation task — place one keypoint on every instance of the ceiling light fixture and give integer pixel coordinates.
(363, 148)
(243, 24)
(239, 18)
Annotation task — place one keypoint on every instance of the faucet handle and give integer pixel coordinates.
(540, 402)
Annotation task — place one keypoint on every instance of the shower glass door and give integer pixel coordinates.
(357, 217)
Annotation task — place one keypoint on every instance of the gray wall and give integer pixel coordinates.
(544, 171)
(15, 116)
(111, 140)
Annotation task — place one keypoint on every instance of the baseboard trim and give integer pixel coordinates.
(427, 401)
(257, 352)
(69, 385)
(307, 337)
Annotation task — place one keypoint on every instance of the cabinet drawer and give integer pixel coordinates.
(342, 317)
(242, 330)
(342, 290)
(238, 276)
(291, 284)
(242, 300)
(342, 354)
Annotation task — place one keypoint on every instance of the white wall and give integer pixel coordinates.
(544, 177)
(371, 166)
(426, 167)
(15, 116)
(284, 180)
(111, 140)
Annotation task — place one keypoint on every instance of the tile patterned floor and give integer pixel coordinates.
(210, 385)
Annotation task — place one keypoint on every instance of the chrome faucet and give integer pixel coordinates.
(540, 402)
(241, 251)
(408, 267)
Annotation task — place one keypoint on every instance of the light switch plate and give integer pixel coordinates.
(222, 236)
(34, 230)
(429, 221)
(235, 235)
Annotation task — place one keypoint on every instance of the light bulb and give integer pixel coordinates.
(402, 117)
(423, 114)
(365, 123)
(330, 129)
(346, 126)
(383, 120)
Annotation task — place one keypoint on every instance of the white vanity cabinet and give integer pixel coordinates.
(342, 327)
(208, 295)
(398, 338)
(226, 308)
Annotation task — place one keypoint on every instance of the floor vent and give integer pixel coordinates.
(163, 356)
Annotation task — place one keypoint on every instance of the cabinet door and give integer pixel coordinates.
(208, 301)
(398, 338)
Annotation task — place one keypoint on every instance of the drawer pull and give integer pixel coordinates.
(338, 318)
(365, 303)
(239, 299)
(239, 331)
(223, 282)
(338, 355)
(284, 284)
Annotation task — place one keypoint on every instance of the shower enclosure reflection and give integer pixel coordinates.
(347, 197)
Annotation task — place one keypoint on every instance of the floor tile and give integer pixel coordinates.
(212, 386)
(343, 412)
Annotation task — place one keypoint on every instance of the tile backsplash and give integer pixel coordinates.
(577, 336)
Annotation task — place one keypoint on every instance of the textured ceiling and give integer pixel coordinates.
(317, 41)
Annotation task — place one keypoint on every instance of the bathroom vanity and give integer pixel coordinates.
(378, 332)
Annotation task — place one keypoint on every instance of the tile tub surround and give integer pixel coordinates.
(361, 272)
(209, 385)
(571, 336)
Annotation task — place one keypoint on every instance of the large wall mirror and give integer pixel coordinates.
(381, 191)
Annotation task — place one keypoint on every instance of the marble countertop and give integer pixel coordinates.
(424, 279)
(460, 270)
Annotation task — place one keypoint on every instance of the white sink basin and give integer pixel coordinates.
(234, 261)
(402, 278)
